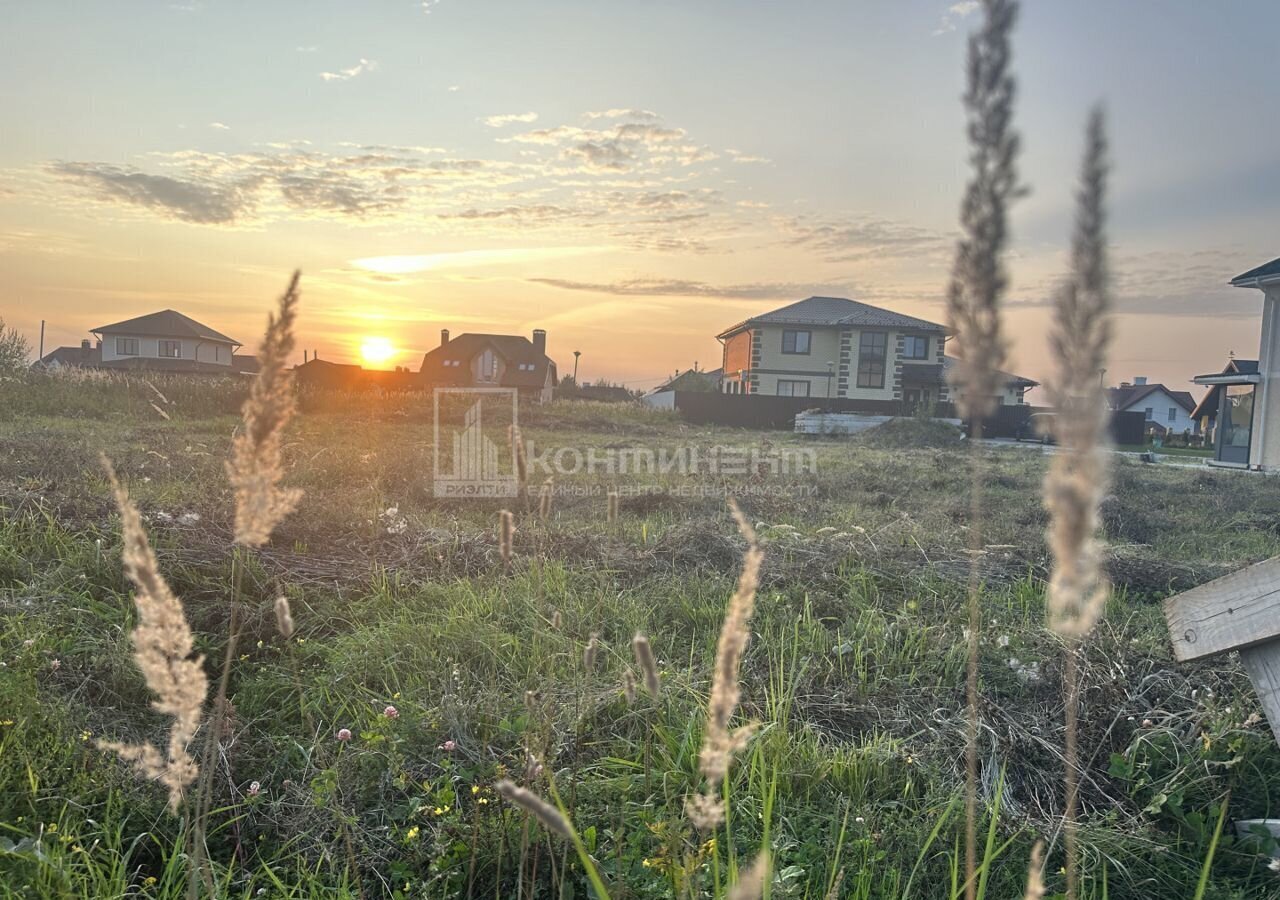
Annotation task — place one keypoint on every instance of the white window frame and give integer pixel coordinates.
(791, 384)
(166, 344)
(127, 346)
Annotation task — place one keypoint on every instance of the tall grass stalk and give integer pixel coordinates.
(978, 283)
(1078, 475)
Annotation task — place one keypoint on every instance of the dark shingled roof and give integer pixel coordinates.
(1266, 271)
(166, 323)
(1125, 397)
(512, 348)
(85, 357)
(1010, 380)
(836, 311)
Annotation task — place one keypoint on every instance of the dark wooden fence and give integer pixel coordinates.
(761, 412)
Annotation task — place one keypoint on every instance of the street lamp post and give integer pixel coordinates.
(576, 354)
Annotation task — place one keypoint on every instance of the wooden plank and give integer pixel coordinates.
(1263, 665)
(1231, 613)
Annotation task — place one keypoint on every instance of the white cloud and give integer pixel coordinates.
(955, 12)
(453, 88)
(365, 65)
(218, 126)
(509, 118)
(638, 114)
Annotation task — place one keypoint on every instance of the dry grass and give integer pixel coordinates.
(163, 651)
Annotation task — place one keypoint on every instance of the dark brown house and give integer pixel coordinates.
(492, 360)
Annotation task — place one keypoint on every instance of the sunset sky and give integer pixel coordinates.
(631, 176)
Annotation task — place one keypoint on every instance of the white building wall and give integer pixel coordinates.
(1161, 403)
(1264, 450)
(214, 352)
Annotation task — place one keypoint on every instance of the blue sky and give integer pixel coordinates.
(632, 176)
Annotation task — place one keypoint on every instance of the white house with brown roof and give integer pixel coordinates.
(1166, 411)
(166, 341)
(492, 360)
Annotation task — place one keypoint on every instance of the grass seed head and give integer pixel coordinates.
(256, 467)
(1078, 474)
(629, 685)
(752, 880)
(591, 652)
(719, 743)
(506, 534)
(163, 647)
(284, 618)
(648, 664)
(544, 499)
(978, 278)
(1035, 874)
(544, 812)
(522, 462)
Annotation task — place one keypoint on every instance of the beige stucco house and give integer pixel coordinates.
(833, 347)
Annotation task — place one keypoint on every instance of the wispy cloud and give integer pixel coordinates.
(509, 118)
(403, 265)
(218, 126)
(855, 239)
(675, 287)
(635, 114)
(360, 68)
(201, 202)
(950, 19)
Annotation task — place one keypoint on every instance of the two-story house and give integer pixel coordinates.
(161, 341)
(833, 347)
(1166, 411)
(165, 340)
(492, 360)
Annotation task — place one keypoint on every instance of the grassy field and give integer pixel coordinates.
(854, 672)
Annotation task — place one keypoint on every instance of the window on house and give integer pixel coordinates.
(488, 366)
(1173, 413)
(790, 388)
(796, 341)
(1150, 414)
(915, 347)
(871, 359)
(171, 349)
(126, 346)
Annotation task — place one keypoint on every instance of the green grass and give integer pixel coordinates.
(855, 670)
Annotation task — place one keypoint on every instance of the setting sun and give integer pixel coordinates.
(376, 350)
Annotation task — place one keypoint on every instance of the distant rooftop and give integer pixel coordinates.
(836, 311)
(166, 323)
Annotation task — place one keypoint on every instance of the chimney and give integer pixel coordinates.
(1125, 384)
(84, 345)
(540, 341)
(444, 336)
(1139, 380)
(99, 343)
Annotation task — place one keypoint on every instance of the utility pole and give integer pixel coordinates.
(576, 354)
(41, 356)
